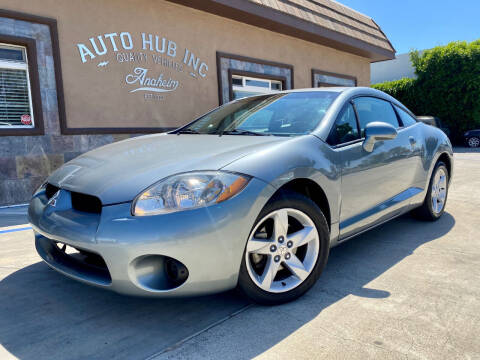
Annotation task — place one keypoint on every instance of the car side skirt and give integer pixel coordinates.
(380, 213)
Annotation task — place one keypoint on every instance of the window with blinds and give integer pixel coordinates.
(325, 79)
(15, 95)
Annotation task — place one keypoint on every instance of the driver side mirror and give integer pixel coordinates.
(378, 131)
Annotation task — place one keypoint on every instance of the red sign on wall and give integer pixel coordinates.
(26, 119)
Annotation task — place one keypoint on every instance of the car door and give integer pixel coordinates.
(412, 129)
(375, 185)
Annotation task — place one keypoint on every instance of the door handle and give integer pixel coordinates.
(412, 140)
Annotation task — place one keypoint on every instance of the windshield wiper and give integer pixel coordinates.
(242, 132)
(187, 131)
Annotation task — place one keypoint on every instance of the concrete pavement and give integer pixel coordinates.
(406, 289)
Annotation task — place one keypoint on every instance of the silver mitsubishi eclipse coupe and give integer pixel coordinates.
(251, 195)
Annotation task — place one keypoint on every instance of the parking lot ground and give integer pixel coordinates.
(406, 289)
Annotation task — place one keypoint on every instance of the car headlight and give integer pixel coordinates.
(188, 191)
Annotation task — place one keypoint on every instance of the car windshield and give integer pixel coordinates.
(286, 114)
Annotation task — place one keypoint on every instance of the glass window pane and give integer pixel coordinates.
(324, 80)
(320, 84)
(345, 128)
(243, 86)
(407, 119)
(372, 109)
(14, 98)
(277, 86)
(257, 83)
(237, 81)
(258, 122)
(238, 94)
(277, 114)
(11, 53)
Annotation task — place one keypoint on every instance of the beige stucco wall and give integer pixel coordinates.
(99, 96)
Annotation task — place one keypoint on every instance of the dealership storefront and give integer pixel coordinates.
(75, 75)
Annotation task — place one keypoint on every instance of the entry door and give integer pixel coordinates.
(375, 185)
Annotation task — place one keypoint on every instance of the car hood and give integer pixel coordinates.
(120, 171)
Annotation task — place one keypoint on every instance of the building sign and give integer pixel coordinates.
(145, 83)
(155, 65)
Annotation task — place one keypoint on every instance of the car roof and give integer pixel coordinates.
(339, 89)
(328, 88)
(348, 91)
(351, 90)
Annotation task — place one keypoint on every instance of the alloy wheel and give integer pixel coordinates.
(282, 250)
(439, 191)
(474, 142)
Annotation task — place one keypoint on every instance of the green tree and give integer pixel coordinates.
(447, 86)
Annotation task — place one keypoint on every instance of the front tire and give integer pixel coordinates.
(433, 206)
(286, 252)
(473, 142)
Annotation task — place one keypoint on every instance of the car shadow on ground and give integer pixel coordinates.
(45, 315)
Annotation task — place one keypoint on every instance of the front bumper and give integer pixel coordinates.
(209, 241)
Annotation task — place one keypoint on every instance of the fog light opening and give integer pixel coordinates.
(176, 272)
(158, 272)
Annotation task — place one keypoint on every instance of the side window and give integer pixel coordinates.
(371, 109)
(345, 128)
(407, 119)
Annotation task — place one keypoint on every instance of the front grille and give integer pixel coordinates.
(80, 202)
(86, 203)
(79, 263)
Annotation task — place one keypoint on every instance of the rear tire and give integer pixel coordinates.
(435, 201)
(296, 252)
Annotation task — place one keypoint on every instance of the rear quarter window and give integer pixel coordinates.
(406, 118)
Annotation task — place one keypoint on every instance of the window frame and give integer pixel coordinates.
(228, 61)
(34, 87)
(17, 65)
(327, 73)
(255, 76)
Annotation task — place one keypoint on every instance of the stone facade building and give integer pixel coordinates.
(75, 75)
